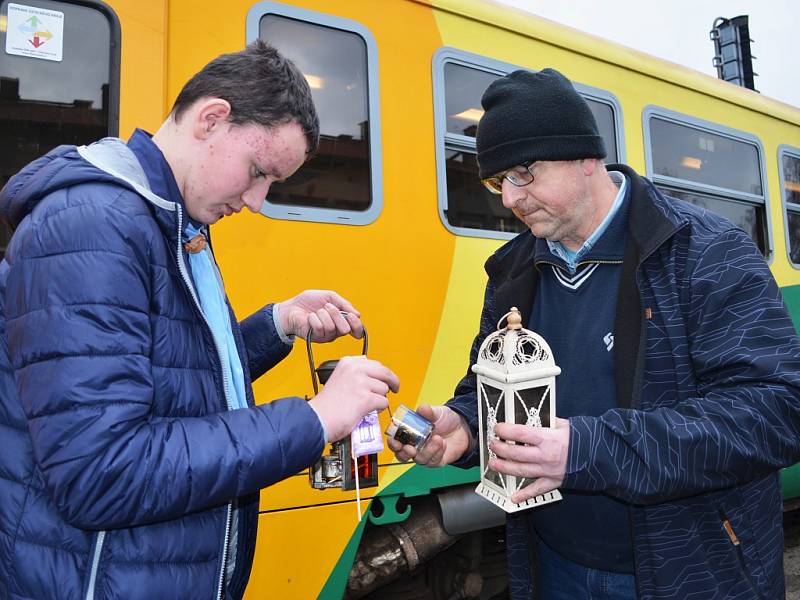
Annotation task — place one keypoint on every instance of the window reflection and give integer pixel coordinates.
(46, 103)
(464, 88)
(604, 115)
(697, 155)
(791, 179)
(745, 216)
(335, 65)
(469, 204)
(791, 196)
(793, 226)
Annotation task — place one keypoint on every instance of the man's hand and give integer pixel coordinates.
(538, 452)
(321, 310)
(356, 387)
(450, 439)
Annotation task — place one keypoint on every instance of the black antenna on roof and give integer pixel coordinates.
(732, 58)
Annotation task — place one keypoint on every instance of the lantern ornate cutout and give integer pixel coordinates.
(516, 384)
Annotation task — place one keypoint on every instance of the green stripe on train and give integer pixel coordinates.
(790, 478)
(791, 295)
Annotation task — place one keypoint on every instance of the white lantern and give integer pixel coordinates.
(516, 384)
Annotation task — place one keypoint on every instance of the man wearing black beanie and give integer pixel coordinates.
(679, 393)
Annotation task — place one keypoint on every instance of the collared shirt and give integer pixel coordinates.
(573, 258)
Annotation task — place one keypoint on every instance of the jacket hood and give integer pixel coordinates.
(107, 161)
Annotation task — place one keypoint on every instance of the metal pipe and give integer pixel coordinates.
(390, 551)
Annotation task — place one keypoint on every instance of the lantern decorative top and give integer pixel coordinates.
(513, 353)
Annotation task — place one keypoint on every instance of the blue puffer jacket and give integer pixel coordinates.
(705, 350)
(120, 465)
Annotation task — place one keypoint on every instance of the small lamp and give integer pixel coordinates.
(516, 384)
(337, 469)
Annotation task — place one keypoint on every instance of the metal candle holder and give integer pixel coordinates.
(336, 469)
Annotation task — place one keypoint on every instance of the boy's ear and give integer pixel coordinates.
(211, 114)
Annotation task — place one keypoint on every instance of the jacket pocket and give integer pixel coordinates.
(740, 557)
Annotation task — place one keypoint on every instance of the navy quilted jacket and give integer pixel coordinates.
(120, 465)
(705, 351)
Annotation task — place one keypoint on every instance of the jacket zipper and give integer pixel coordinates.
(190, 285)
(98, 548)
(726, 524)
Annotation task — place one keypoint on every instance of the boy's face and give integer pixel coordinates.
(235, 166)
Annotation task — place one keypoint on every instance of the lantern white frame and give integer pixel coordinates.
(510, 361)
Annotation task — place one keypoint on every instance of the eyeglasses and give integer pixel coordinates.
(519, 176)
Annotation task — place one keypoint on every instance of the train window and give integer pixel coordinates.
(790, 184)
(342, 183)
(57, 84)
(464, 87)
(465, 206)
(710, 166)
(700, 156)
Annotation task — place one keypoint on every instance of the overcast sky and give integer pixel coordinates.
(677, 30)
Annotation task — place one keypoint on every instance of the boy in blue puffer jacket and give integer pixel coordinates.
(133, 452)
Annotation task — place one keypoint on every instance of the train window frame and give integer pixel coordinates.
(114, 71)
(445, 140)
(716, 192)
(786, 206)
(333, 215)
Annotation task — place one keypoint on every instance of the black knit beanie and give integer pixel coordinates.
(534, 116)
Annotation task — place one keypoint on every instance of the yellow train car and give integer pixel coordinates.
(391, 214)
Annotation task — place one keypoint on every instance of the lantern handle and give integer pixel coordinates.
(311, 354)
(513, 318)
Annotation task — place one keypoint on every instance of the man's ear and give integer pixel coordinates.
(589, 165)
(210, 115)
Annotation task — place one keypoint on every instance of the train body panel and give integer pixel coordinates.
(414, 266)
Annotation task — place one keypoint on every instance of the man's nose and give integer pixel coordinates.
(254, 197)
(511, 194)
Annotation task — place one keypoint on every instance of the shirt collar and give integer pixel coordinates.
(570, 258)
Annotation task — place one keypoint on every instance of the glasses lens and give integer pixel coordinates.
(520, 176)
(494, 185)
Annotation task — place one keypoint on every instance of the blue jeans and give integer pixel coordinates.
(561, 579)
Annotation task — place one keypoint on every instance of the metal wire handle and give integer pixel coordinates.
(311, 354)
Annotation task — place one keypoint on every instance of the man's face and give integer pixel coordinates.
(557, 204)
(235, 167)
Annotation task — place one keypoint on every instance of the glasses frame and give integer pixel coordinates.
(495, 183)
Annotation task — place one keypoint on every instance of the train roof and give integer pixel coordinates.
(597, 48)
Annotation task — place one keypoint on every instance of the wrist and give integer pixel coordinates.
(282, 329)
(321, 421)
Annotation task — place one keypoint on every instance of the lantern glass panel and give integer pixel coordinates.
(532, 406)
(495, 410)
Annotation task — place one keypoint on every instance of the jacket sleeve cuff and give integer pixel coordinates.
(584, 448)
(470, 417)
(286, 339)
